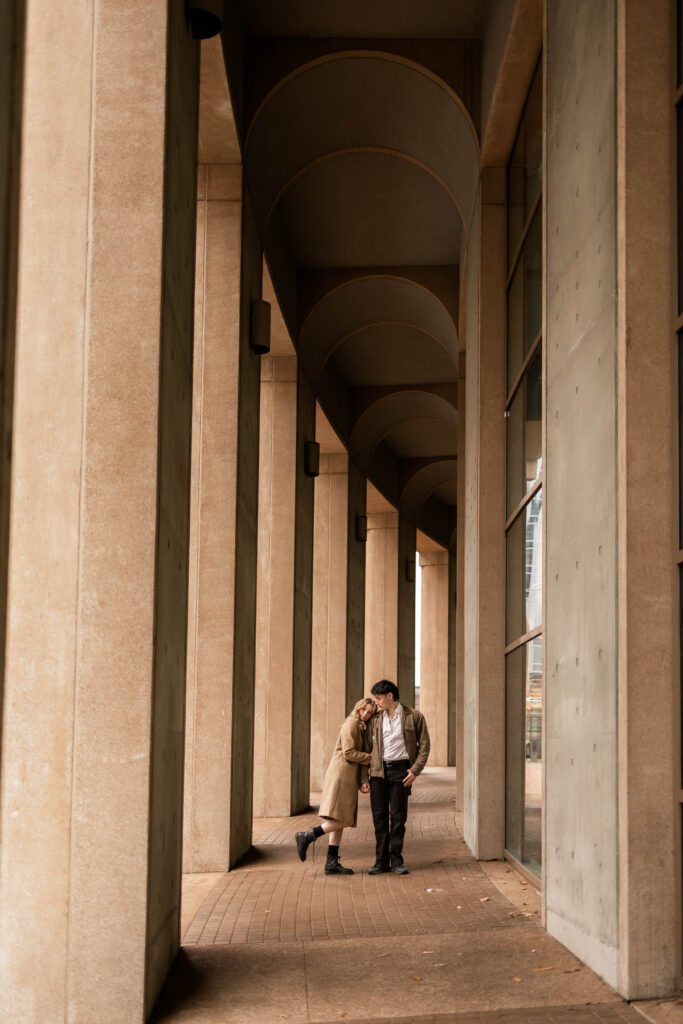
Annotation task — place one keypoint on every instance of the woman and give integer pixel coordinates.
(339, 804)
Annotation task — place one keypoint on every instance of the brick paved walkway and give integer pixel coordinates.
(277, 940)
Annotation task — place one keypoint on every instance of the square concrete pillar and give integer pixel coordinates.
(330, 562)
(405, 626)
(92, 742)
(434, 702)
(381, 598)
(225, 378)
(483, 762)
(355, 588)
(453, 747)
(460, 574)
(284, 600)
(649, 766)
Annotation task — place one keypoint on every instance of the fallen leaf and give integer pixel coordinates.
(516, 979)
(539, 969)
(572, 970)
(501, 925)
(417, 977)
(440, 965)
(459, 908)
(484, 899)
(425, 951)
(380, 955)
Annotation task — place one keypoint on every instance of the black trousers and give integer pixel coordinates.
(389, 805)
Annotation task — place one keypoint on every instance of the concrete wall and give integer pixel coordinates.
(303, 600)
(405, 676)
(328, 663)
(12, 16)
(355, 590)
(581, 484)
(246, 545)
(470, 464)
(452, 664)
(92, 742)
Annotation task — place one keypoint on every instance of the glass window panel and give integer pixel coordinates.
(525, 167)
(515, 666)
(524, 435)
(680, 439)
(533, 394)
(524, 557)
(679, 34)
(515, 451)
(533, 147)
(515, 324)
(679, 177)
(532, 282)
(533, 756)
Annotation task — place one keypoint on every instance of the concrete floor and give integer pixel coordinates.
(276, 940)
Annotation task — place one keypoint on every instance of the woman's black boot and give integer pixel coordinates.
(304, 840)
(332, 865)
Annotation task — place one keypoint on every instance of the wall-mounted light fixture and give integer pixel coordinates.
(312, 458)
(410, 570)
(259, 327)
(361, 528)
(206, 17)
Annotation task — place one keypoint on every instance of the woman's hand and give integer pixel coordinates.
(364, 787)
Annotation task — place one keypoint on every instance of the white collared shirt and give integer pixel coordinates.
(393, 744)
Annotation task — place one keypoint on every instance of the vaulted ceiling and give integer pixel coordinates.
(359, 127)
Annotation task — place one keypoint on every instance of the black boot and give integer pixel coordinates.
(304, 840)
(332, 865)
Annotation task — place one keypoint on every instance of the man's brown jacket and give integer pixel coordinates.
(415, 734)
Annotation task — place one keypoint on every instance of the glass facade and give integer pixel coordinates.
(524, 491)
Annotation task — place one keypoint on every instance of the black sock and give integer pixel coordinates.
(318, 831)
(332, 851)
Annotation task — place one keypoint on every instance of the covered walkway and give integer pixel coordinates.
(456, 940)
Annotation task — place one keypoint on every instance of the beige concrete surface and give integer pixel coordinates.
(381, 598)
(581, 870)
(434, 653)
(328, 661)
(95, 633)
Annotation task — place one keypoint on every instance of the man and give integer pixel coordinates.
(400, 748)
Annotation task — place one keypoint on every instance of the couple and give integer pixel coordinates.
(393, 742)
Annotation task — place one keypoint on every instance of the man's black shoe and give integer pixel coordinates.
(400, 869)
(377, 869)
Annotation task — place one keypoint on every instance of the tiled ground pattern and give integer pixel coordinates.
(276, 940)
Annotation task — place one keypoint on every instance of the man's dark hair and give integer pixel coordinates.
(384, 686)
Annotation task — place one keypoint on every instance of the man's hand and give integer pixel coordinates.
(409, 779)
(364, 787)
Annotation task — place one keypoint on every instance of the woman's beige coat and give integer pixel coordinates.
(340, 788)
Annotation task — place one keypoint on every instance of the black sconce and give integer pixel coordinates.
(312, 458)
(206, 17)
(361, 528)
(259, 327)
(410, 570)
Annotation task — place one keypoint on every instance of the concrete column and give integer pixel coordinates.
(381, 598)
(647, 524)
(355, 589)
(405, 673)
(92, 745)
(452, 661)
(330, 562)
(434, 652)
(282, 729)
(217, 387)
(460, 575)
(484, 681)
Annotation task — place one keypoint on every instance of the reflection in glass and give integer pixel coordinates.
(524, 753)
(524, 539)
(524, 435)
(524, 300)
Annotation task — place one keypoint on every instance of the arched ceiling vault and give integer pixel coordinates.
(361, 162)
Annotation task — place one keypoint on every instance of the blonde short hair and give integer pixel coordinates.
(360, 704)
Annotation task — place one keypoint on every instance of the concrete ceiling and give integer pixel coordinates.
(359, 137)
